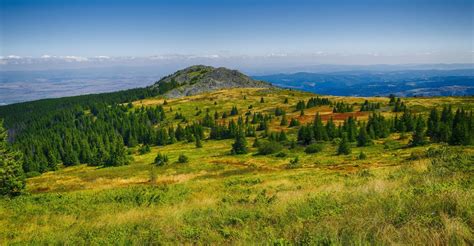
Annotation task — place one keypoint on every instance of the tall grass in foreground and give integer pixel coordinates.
(407, 205)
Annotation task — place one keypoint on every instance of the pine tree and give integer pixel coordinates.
(433, 125)
(282, 137)
(419, 133)
(294, 122)
(240, 144)
(234, 111)
(344, 147)
(161, 159)
(319, 131)
(198, 142)
(461, 130)
(363, 138)
(305, 135)
(12, 178)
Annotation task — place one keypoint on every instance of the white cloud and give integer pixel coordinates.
(102, 57)
(75, 58)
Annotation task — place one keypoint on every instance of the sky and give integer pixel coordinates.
(276, 31)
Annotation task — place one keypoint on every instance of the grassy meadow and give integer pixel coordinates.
(396, 195)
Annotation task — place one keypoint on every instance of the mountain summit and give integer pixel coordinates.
(199, 78)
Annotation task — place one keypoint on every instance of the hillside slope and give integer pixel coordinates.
(395, 194)
(198, 79)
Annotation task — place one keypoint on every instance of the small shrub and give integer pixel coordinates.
(144, 149)
(161, 159)
(267, 147)
(362, 156)
(183, 159)
(293, 144)
(336, 141)
(281, 154)
(364, 173)
(314, 148)
(449, 161)
(416, 155)
(294, 163)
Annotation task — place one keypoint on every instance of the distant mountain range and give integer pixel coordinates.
(380, 83)
(344, 80)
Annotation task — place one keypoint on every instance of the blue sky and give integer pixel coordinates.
(398, 30)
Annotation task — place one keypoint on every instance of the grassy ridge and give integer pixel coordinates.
(398, 195)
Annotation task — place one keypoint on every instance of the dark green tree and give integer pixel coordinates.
(12, 178)
(161, 159)
(433, 125)
(240, 144)
(363, 138)
(344, 147)
(419, 133)
(183, 158)
(198, 142)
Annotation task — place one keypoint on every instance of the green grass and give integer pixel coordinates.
(217, 198)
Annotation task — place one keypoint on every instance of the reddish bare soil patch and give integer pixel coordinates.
(335, 116)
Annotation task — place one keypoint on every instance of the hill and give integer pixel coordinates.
(198, 79)
(140, 167)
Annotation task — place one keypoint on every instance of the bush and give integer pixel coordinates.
(362, 156)
(344, 146)
(364, 173)
(295, 163)
(314, 148)
(281, 154)
(161, 159)
(266, 147)
(445, 161)
(144, 149)
(183, 159)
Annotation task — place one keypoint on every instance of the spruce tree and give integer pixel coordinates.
(319, 131)
(161, 159)
(433, 125)
(363, 138)
(419, 133)
(198, 142)
(331, 129)
(12, 178)
(282, 137)
(240, 144)
(344, 147)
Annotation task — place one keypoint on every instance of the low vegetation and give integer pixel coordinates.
(371, 176)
